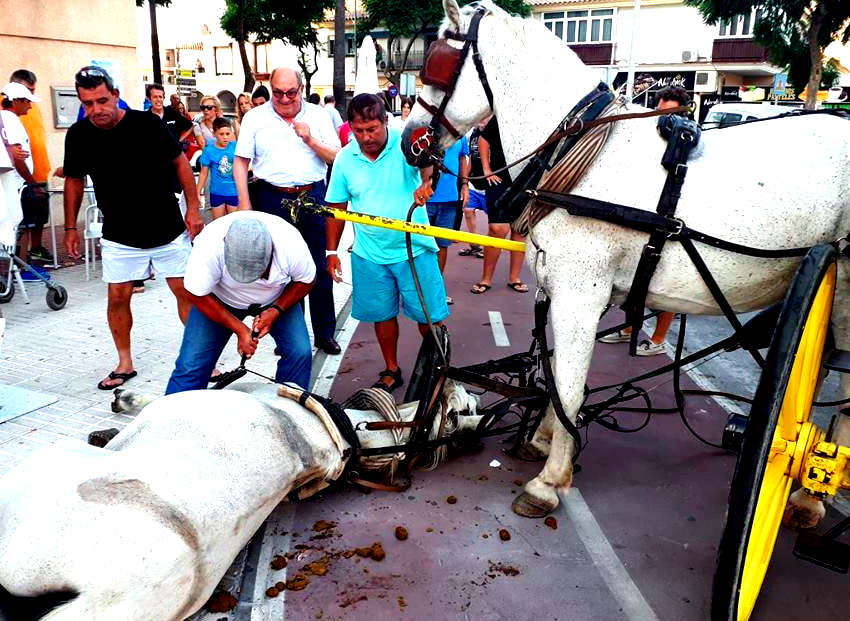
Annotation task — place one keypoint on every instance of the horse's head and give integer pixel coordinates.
(457, 93)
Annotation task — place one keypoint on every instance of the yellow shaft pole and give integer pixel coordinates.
(412, 227)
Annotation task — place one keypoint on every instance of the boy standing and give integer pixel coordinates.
(217, 162)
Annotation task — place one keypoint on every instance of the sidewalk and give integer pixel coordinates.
(66, 353)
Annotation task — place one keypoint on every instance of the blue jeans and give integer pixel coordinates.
(204, 340)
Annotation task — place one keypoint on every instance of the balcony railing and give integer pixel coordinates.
(415, 60)
(737, 51)
(595, 53)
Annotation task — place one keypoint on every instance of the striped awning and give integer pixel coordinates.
(190, 46)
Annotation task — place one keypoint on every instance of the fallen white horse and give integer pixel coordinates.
(144, 529)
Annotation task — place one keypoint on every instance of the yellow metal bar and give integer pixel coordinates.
(412, 227)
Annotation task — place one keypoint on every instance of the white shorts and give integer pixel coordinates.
(125, 264)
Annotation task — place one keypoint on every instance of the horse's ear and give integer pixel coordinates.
(452, 13)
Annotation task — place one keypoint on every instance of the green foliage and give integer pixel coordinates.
(831, 74)
(290, 21)
(784, 28)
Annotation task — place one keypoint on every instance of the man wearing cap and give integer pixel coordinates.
(17, 100)
(244, 263)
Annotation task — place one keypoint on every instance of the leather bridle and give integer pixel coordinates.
(441, 69)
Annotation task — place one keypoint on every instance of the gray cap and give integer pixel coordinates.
(247, 249)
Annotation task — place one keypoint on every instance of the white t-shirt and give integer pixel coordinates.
(206, 272)
(16, 134)
(279, 156)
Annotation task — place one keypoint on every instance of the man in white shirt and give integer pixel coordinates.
(245, 263)
(290, 143)
(330, 107)
(17, 100)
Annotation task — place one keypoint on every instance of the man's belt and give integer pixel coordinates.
(293, 189)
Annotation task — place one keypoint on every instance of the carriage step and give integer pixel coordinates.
(825, 552)
(838, 360)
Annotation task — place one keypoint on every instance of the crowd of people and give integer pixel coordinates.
(252, 259)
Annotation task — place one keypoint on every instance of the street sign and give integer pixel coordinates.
(185, 73)
(186, 82)
(188, 91)
(393, 90)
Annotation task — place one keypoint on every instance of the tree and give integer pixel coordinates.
(308, 62)
(795, 32)
(339, 56)
(269, 20)
(157, 65)
(404, 19)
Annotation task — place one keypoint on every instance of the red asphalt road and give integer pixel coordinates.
(659, 497)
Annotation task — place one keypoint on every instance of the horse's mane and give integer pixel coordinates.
(524, 29)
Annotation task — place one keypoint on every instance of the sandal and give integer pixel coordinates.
(114, 375)
(394, 375)
(480, 288)
(518, 286)
(470, 251)
(449, 300)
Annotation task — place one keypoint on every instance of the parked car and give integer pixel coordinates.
(726, 114)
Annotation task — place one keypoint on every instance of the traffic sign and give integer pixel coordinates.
(393, 90)
(185, 73)
(188, 91)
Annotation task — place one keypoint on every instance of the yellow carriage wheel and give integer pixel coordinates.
(778, 430)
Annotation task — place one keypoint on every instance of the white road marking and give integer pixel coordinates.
(274, 542)
(624, 590)
(327, 374)
(498, 327)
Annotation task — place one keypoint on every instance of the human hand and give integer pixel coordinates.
(335, 267)
(302, 130)
(246, 344)
(264, 321)
(493, 179)
(19, 154)
(193, 220)
(59, 172)
(423, 193)
(72, 243)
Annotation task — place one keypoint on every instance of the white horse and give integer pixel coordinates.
(737, 189)
(146, 528)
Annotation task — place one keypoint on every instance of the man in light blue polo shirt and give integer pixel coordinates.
(372, 173)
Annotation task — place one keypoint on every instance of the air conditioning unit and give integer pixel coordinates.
(689, 56)
(705, 82)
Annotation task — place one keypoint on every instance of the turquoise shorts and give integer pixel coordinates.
(378, 288)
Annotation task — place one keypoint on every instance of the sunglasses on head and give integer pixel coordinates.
(207, 107)
(94, 72)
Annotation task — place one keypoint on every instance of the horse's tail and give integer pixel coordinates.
(78, 609)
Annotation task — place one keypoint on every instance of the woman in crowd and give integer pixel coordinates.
(243, 104)
(204, 134)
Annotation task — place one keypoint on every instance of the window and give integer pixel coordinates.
(261, 58)
(224, 60)
(349, 46)
(588, 26)
(741, 25)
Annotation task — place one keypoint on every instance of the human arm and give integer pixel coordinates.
(20, 163)
(484, 152)
(426, 189)
(463, 174)
(292, 294)
(214, 310)
(325, 151)
(186, 177)
(199, 137)
(333, 233)
(73, 199)
(202, 180)
(240, 177)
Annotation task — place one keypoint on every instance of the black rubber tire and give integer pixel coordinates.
(758, 437)
(57, 297)
(4, 299)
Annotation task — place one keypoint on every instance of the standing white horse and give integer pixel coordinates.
(736, 189)
(144, 529)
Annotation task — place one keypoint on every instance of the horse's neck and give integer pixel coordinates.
(537, 85)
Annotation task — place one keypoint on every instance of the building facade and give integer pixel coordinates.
(672, 44)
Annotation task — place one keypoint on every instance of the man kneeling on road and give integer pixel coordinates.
(243, 260)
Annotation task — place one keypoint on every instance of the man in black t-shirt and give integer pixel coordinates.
(177, 123)
(131, 157)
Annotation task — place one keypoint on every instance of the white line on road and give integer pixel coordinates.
(624, 590)
(274, 542)
(325, 377)
(498, 327)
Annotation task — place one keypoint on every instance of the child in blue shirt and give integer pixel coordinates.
(217, 163)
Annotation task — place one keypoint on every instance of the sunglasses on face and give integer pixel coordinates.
(207, 107)
(292, 93)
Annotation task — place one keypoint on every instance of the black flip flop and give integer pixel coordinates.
(114, 375)
(398, 381)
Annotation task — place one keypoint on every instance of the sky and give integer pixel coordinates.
(172, 21)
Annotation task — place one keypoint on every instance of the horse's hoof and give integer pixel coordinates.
(529, 452)
(803, 511)
(529, 506)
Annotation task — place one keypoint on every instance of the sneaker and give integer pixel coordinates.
(40, 254)
(648, 348)
(616, 337)
(470, 251)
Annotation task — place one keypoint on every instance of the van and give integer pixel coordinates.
(726, 114)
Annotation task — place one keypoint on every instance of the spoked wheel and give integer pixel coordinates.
(777, 438)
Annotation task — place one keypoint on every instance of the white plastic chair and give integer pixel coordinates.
(92, 232)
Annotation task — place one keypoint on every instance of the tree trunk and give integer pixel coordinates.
(339, 57)
(243, 53)
(157, 67)
(816, 56)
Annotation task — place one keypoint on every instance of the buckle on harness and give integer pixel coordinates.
(680, 224)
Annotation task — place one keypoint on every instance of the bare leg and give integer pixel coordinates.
(662, 325)
(120, 320)
(387, 335)
(516, 259)
(469, 218)
(491, 255)
(183, 304)
(442, 255)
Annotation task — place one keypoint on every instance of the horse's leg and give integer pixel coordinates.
(804, 510)
(540, 444)
(576, 307)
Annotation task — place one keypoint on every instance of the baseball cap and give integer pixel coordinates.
(13, 90)
(247, 249)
